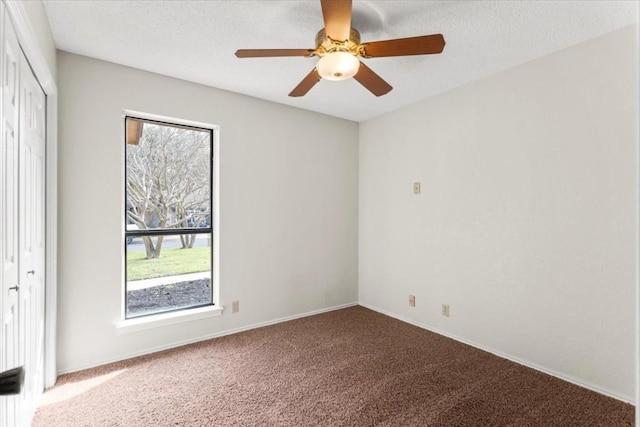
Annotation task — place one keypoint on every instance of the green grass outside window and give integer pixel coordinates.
(172, 262)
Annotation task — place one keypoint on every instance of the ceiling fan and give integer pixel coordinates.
(338, 47)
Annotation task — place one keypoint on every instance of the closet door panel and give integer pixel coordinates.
(31, 243)
(11, 355)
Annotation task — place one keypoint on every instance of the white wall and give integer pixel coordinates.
(289, 200)
(527, 221)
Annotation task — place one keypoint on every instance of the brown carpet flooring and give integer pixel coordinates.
(351, 367)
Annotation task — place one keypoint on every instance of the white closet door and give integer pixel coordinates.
(22, 226)
(10, 414)
(31, 237)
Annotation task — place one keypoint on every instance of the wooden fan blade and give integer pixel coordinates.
(367, 78)
(266, 53)
(306, 84)
(337, 18)
(421, 45)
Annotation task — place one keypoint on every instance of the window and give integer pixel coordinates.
(169, 207)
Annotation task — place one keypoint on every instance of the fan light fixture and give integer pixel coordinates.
(338, 66)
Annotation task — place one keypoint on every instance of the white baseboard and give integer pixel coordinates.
(200, 338)
(564, 377)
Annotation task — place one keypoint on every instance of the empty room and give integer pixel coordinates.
(319, 213)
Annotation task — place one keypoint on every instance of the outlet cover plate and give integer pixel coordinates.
(416, 188)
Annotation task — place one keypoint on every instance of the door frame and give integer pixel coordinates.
(29, 43)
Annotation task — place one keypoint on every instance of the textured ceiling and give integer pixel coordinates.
(196, 41)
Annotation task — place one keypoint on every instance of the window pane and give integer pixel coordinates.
(180, 278)
(168, 176)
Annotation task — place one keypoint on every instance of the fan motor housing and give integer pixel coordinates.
(325, 44)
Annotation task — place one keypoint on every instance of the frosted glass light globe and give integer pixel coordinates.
(338, 66)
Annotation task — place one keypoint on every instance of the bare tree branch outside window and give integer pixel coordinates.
(168, 182)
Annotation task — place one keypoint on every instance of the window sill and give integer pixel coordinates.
(164, 319)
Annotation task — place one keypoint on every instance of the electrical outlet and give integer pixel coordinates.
(235, 306)
(445, 310)
(412, 301)
(416, 188)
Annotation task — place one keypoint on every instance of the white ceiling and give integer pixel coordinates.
(196, 41)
